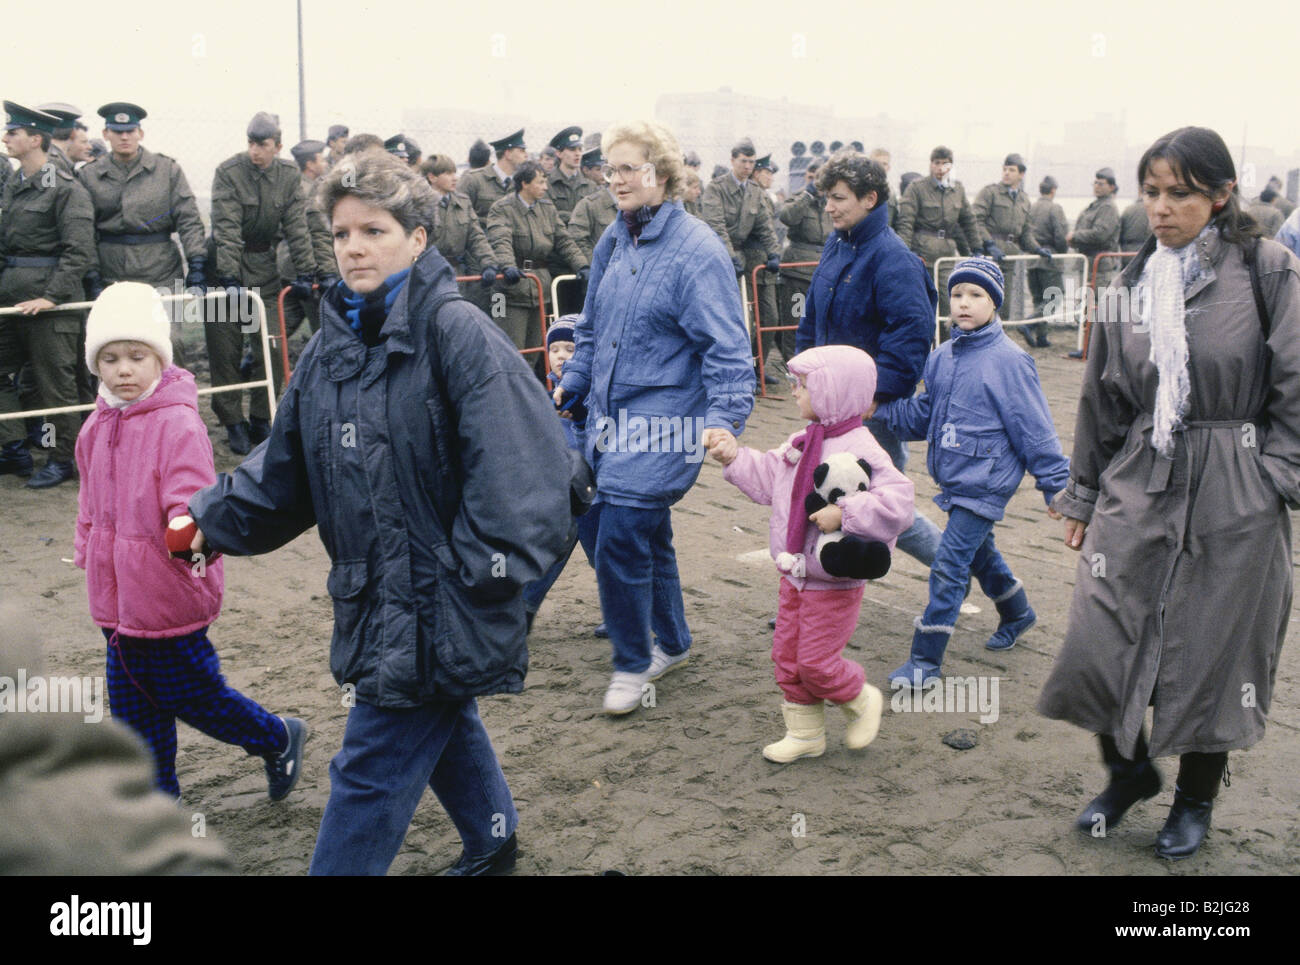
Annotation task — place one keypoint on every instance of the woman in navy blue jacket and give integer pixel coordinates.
(662, 356)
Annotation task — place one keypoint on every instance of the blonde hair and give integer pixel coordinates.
(660, 147)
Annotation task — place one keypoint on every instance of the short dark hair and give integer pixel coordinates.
(859, 172)
(64, 133)
(1267, 195)
(437, 164)
(305, 159)
(1199, 158)
(941, 153)
(525, 173)
(45, 139)
(479, 154)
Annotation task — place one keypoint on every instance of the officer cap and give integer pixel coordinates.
(412, 148)
(817, 148)
(66, 113)
(549, 151)
(122, 116)
(1015, 159)
(501, 145)
(593, 158)
(567, 138)
(692, 160)
(744, 146)
(836, 145)
(97, 148)
(18, 117)
(765, 164)
(263, 125)
(1106, 174)
(1047, 185)
(857, 146)
(798, 148)
(304, 151)
(398, 146)
(337, 130)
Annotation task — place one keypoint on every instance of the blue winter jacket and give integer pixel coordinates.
(871, 292)
(985, 420)
(435, 470)
(662, 353)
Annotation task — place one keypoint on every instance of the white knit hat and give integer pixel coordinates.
(128, 311)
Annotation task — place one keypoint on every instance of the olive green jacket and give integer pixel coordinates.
(1097, 228)
(521, 235)
(48, 215)
(755, 255)
(1270, 218)
(1004, 220)
(322, 239)
(483, 189)
(459, 237)
(252, 209)
(926, 210)
(1050, 227)
(59, 158)
(151, 196)
(591, 216)
(810, 226)
(737, 214)
(565, 193)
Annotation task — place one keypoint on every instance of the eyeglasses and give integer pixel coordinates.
(624, 172)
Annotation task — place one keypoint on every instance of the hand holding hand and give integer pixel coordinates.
(721, 444)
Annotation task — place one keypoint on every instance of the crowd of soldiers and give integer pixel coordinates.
(75, 218)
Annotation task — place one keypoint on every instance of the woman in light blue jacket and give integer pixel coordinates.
(662, 357)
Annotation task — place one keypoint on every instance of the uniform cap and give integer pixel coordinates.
(18, 117)
(122, 116)
(1015, 159)
(263, 125)
(691, 159)
(1047, 185)
(304, 151)
(337, 130)
(567, 138)
(501, 145)
(1106, 174)
(66, 113)
(128, 311)
(765, 164)
(593, 159)
(398, 147)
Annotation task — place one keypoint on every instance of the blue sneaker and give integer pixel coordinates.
(282, 770)
(1016, 616)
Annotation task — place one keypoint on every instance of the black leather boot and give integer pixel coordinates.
(14, 458)
(1130, 782)
(499, 862)
(1189, 818)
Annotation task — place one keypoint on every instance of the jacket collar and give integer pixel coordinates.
(656, 226)
(980, 338)
(873, 224)
(145, 161)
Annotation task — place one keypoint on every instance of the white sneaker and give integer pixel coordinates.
(661, 662)
(624, 693)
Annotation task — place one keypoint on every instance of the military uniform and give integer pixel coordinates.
(59, 158)
(809, 227)
(765, 295)
(47, 243)
(1047, 219)
(299, 307)
(526, 237)
(566, 191)
(936, 222)
(591, 216)
(1097, 230)
(1002, 217)
(694, 208)
(252, 208)
(460, 239)
(484, 187)
(1270, 218)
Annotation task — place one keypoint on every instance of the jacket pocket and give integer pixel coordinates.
(478, 644)
(970, 459)
(346, 585)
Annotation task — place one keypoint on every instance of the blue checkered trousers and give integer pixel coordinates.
(153, 682)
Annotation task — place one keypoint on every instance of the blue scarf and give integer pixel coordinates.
(366, 314)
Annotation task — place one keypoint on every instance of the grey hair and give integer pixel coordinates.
(382, 180)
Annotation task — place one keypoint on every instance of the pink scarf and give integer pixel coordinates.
(810, 444)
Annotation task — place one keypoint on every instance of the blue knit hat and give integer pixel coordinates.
(979, 271)
(561, 329)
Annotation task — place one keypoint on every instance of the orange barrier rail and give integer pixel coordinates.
(760, 328)
(1092, 295)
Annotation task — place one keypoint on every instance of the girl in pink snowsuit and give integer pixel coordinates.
(818, 612)
(141, 455)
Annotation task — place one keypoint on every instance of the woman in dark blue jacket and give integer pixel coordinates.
(400, 436)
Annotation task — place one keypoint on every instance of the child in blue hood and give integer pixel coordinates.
(986, 421)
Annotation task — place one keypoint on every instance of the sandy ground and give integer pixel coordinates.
(681, 787)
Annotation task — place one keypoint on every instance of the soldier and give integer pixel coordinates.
(691, 191)
(257, 199)
(140, 199)
(692, 161)
(1097, 228)
(523, 229)
(769, 312)
(1134, 228)
(336, 139)
(487, 185)
(1002, 219)
(457, 234)
(479, 155)
(1047, 218)
(71, 140)
(548, 158)
(809, 227)
(591, 216)
(399, 147)
(566, 186)
(413, 153)
(47, 244)
(593, 162)
(1280, 200)
(734, 209)
(304, 301)
(935, 221)
(882, 157)
(1263, 210)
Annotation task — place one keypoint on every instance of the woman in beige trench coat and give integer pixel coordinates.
(1186, 457)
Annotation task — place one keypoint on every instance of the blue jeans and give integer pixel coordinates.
(640, 591)
(921, 539)
(378, 776)
(966, 548)
(535, 592)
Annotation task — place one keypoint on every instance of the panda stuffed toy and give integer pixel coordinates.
(839, 554)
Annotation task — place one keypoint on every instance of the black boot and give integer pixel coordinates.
(259, 429)
(1130, 782)
(1189, 818)
(237, 438)
(499, 862)
(14, 458)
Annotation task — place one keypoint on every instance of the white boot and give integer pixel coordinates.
(863, 712)
(805, 733)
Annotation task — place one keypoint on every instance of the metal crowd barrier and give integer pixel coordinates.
(1086, 328)
(213, 390)
(760, 328)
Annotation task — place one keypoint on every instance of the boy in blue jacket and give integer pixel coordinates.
(986, 421)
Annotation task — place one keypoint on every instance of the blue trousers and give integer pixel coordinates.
(966, 548)
(153, 682)
(921, 539)
(389, 756)
(640, 591)
(535, 592)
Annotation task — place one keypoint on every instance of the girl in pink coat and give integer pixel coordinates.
(818, 612)
(142, 454)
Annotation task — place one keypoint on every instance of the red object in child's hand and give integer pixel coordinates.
(180, 534)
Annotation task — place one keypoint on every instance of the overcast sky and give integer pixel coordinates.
(1020, 66)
